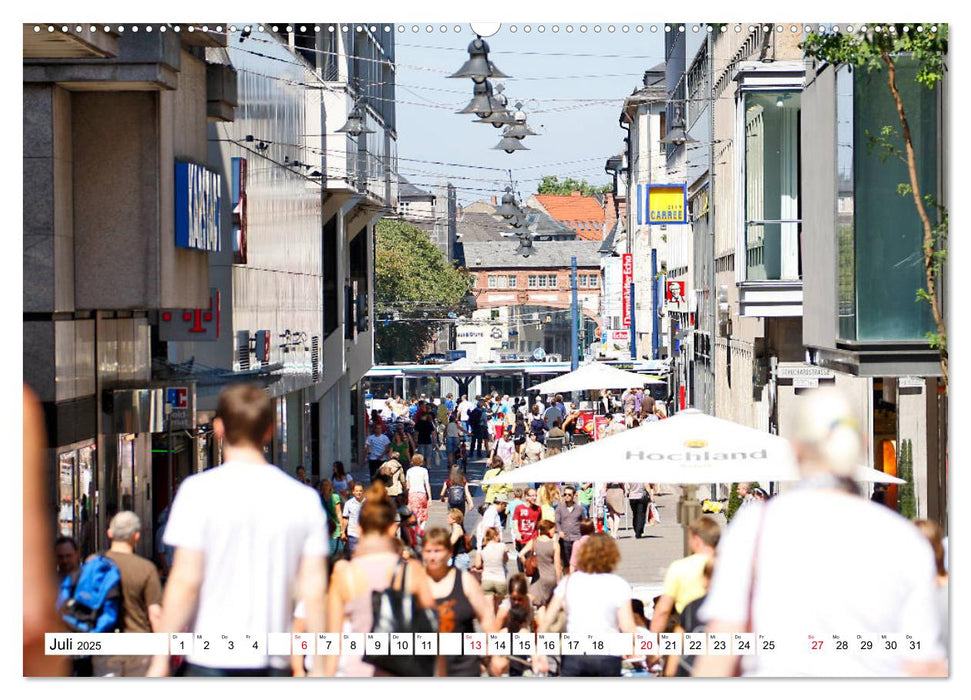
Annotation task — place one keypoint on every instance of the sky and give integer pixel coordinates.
(572, 85)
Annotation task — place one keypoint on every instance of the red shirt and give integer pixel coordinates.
(525, 517)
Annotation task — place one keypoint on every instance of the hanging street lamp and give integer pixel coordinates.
(483, 104)
(355, 122)
(499, 117)
(509, 144)
(478, 67)
(508, 208)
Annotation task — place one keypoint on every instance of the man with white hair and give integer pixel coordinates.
(141, 594)
(820, 560)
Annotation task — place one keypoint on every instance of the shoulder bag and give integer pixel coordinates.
(396, 610)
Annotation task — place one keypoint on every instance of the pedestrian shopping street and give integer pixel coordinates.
(648, 273)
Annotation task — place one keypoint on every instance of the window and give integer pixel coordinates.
(771, 198)
(542, 280)
(512, 281)
(552, 281)
(532, 280)
(880, 255)
(594, 280)
(492, 282)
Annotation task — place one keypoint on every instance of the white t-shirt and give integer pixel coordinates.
(464, 409)
(417, 476)
(490, 518)
(592, 601)
(253, 523)
(828, 563)
(352, 511)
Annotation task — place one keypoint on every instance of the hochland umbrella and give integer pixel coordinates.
(689, 448)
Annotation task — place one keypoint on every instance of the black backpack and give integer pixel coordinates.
(456, 496)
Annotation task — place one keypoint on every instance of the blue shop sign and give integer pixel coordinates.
(197, 207)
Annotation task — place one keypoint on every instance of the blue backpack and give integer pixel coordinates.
(93, 603)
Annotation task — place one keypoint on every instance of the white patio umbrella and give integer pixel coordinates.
(690, 447)
(595, 375)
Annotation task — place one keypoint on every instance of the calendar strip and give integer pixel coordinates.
(550, 644)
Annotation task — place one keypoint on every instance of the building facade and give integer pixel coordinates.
(529, 299)
(115, 143)
(193, 217)
(804, 260)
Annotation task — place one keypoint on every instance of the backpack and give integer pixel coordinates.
(456, 496)
(93, 603)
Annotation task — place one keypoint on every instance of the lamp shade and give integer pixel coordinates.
(355, 123)
(519, 131)
(677, 136)
(509, 145)
(483, 104)
(478, 67)
(508, 209)
(498, 119)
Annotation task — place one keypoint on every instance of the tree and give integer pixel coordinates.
(881, 46)
(905, 471)
(413, 282)
(551, 185)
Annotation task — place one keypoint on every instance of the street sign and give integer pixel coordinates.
(799, 370)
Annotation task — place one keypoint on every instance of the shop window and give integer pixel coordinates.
(880, 255)
(771, 196)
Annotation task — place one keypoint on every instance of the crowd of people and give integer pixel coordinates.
(258, 551)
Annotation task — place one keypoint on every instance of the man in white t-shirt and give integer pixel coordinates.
(351, 528)
(249, 541)
(492, 517)
(464, 407)
(825, 562)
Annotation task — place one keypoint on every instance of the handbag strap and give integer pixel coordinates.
(401, 566)
(754, 568)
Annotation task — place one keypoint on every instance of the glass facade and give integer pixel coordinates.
(880, 234)
(772, 215)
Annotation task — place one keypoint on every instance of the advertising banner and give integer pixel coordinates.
(600, 429)
(627, 276)
(667, 204)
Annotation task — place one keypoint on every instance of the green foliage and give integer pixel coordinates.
(905, 470)
(412, 280)
(867, 51)
(551, 185)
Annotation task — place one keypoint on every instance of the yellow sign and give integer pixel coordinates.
(666, 204)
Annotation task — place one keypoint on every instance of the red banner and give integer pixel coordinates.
(627, 277)
(601, 422)
(585, 422)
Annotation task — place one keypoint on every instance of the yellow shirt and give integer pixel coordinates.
(493, 490)
(684, 580)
